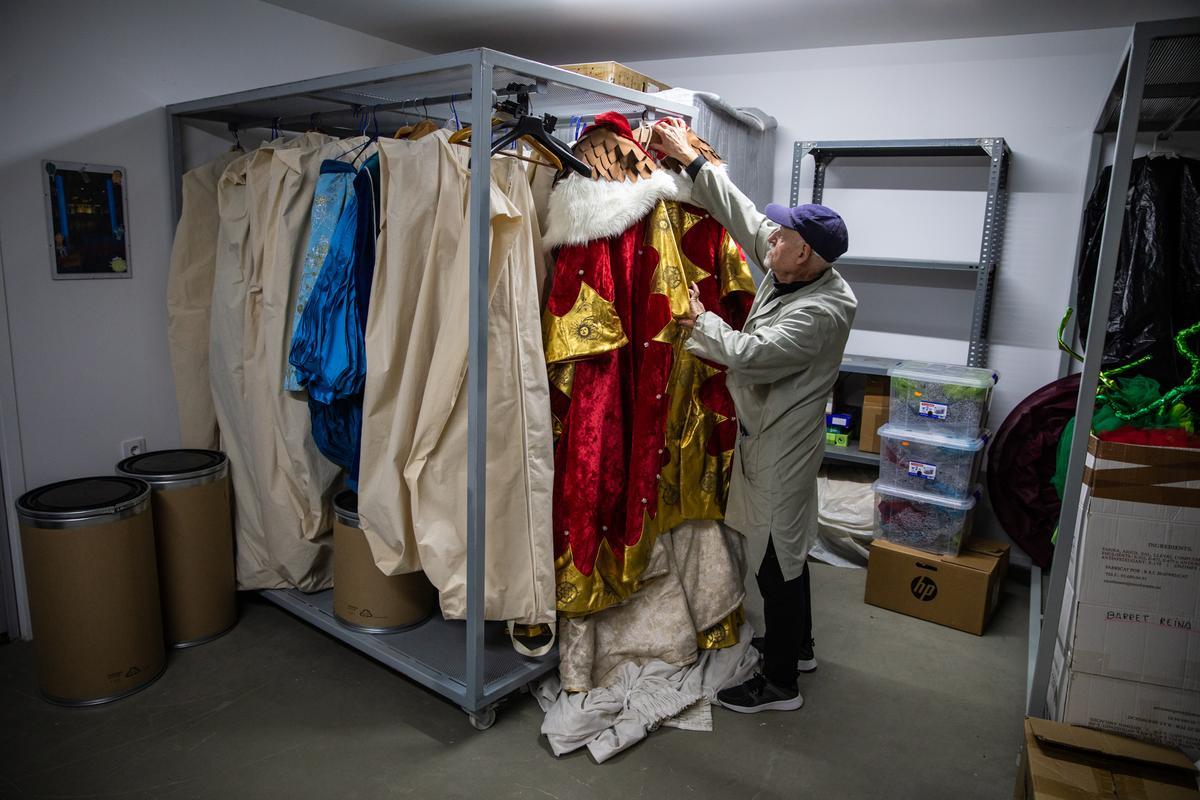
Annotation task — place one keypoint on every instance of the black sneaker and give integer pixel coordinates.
(759, 694)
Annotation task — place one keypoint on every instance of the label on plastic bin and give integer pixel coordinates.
(935, 410)
(919, 469)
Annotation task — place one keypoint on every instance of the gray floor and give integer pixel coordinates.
(899, 708)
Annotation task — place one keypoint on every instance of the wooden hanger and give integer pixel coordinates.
(422, 128)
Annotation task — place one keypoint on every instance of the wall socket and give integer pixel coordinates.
(133, 447)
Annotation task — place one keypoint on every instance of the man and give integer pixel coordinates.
(781, 368)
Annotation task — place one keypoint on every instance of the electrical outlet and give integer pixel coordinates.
(133, 447)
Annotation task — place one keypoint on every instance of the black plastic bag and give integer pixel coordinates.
(1156, 291)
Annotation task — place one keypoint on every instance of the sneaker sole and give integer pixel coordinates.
(807, 666)
(778, 705)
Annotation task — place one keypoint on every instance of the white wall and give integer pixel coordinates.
(1040, 92)
(88, 82)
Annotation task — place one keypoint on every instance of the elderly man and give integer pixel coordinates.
(781, 368)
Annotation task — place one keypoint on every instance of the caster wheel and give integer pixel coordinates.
(483, 720)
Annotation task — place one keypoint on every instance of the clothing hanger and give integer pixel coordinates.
(530, 130)
(367, 115)
(422, 127)
(237, 140)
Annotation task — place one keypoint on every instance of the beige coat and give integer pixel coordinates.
(782, 366)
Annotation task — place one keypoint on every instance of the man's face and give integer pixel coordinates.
(788, 254)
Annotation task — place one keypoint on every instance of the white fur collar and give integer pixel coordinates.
(583, 210)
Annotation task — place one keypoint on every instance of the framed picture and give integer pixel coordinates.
(88, 220)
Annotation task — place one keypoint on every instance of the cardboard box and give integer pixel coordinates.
(958, 591)
(1131, 644)
(1138, 542)
(1064, 762)
(875, 411)
(617, 73)
(1144, 711)
(1131, 607)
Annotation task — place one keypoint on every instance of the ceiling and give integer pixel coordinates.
(563, 31)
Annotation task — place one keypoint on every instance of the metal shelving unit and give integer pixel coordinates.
(469, 663)
(1157, 89)
(998, 154)
(860, 365)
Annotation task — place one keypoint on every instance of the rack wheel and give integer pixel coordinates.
(484, 719)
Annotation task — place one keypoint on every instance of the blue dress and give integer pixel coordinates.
(335, 187)
(328, 349)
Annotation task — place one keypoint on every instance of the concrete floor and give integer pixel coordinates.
(899, 708)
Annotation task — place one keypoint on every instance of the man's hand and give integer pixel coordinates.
(695, 309)
(671, 137)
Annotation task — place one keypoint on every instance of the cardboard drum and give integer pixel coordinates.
(363, 597)
(93, 588)
(193, 528)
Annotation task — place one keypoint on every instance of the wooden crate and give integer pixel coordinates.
(618, 74)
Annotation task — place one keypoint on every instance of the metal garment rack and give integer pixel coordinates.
(1157, 89)
(998, 154)
(472, 664)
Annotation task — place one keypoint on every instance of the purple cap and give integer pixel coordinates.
(821, 226)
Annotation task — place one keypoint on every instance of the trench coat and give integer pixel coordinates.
(782, 366)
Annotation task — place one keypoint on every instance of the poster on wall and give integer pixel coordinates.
(88, 218)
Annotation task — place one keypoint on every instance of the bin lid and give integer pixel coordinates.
(952, 503)
(979, 377)
(894, 431)
(345, 507)
(162, 466)
(82, 499)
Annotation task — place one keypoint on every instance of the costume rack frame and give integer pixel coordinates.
(1156, 90)
(470, 663)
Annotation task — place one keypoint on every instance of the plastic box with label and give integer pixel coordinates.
(941, 398)
(929, 462)
(923, 521)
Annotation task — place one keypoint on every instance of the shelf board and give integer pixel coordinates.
(850, 453)
(434, 654)
(897, 148)
(867, 365)
(907, 263)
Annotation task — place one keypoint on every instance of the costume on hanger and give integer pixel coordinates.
(189, 302)
(644, 430)
(335, 187)
(327, 352)
(412, 484)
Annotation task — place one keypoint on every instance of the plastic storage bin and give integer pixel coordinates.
(929, 462)
(924, 521)
(941, 398)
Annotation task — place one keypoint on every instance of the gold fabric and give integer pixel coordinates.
(590, 328)
(724, 633)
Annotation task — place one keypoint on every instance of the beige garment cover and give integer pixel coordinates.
(693, 582)
(227, 374)
(413, 465)
(189, 302)
(281, 482)
(295, 482)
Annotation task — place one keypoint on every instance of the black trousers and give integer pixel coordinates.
(787, 607)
